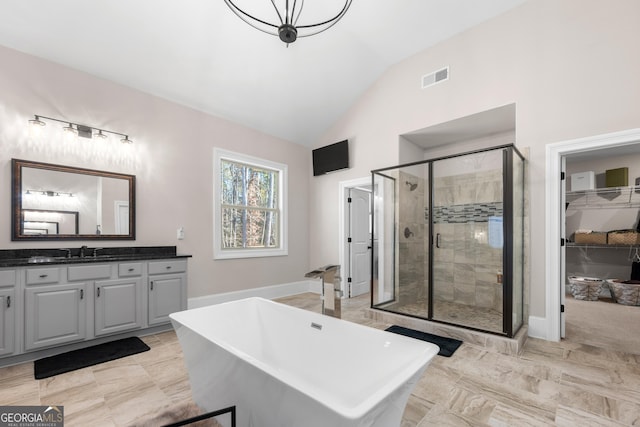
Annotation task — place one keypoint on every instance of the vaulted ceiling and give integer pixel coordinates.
(199, 54)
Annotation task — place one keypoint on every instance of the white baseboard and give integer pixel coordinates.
(269, 292)
(537, 327)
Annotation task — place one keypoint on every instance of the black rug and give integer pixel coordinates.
(448, 346)
(78, 359)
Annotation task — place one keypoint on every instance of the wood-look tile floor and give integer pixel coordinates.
(570, 383)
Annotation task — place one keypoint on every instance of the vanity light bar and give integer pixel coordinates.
(80, 130)
(48, 193)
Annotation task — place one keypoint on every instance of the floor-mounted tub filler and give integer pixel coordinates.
(282, 366)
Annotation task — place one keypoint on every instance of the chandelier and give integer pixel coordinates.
(286, 25)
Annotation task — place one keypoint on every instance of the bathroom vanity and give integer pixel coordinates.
(54, 301)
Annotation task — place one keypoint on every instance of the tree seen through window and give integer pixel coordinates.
(249, 206)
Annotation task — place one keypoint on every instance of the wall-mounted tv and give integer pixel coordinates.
(331, 158)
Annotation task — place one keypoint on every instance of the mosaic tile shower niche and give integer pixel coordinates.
(448, 240)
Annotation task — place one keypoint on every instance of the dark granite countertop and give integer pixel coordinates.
(37, 257)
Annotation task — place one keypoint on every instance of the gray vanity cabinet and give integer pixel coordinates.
(7, 319)
(63, 305)
(56, 307)
(167, 286)
(118, 305)
(54, 314)
(7, 311)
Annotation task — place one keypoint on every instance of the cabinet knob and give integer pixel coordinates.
(168, 267)
(98, 291)
(9, 301)
(131, 269)
(81, 293)
(151, 285)
(42, 276)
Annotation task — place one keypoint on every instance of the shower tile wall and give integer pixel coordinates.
(412, 250)
(465, 267)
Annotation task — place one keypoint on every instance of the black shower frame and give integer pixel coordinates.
(507, 253)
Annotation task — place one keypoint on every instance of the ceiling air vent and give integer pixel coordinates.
(435, 77)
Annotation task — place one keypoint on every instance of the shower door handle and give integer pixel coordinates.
(437, 240)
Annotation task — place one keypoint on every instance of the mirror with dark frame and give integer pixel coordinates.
(54, 202)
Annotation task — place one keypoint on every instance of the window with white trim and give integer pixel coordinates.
(249, 216)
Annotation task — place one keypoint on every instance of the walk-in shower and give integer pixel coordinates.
(448, 240)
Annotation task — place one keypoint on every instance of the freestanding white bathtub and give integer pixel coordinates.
(286, 367)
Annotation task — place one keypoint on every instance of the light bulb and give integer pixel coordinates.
(36, 121)
(35, 127)
(70, 133)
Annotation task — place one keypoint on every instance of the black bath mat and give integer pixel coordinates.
(448, 346)
(78, 359)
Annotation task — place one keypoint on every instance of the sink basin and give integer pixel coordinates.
(43, 259)
(102, 256)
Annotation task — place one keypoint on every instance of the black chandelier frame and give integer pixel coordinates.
(287, 28)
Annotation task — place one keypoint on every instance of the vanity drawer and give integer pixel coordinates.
(162, 267)
(37, 276)
(89, 272)
(7, 277)
(130, 269)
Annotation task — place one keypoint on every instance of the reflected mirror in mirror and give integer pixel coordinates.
(54, 202)
(36, 222)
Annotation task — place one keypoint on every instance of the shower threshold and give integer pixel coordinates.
(510, 346)
(484, 319)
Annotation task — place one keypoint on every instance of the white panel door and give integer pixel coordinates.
(122, 217)
(360, 247)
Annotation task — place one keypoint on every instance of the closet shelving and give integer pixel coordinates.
(603, 198)
(609, 197)
(594, 246)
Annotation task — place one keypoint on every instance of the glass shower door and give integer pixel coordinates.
(468, 240)
(517, 258)
(383, 263)
(400, 242)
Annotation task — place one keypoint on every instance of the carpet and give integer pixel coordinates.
(448, 346)
(84, 357)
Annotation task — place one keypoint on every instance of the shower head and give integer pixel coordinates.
(412, 186)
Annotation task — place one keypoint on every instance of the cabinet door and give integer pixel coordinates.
(118, 305)
(7, 316)
(167, 294)
(54, 315)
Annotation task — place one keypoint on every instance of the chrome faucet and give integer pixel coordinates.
(331, 292)
(82, 251)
